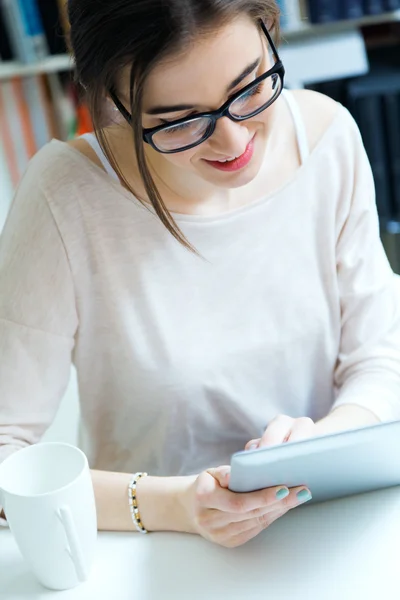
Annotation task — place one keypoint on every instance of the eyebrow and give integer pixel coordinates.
(161, 110)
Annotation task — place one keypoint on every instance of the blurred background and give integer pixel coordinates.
(347, 49)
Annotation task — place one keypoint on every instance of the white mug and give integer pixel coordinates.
(47, 495)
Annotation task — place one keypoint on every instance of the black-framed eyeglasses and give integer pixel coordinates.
(247, 103)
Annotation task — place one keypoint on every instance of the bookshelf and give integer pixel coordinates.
(52, 64)
(308, 29)
(63, 62)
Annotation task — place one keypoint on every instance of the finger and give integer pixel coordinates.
(217, 519)
(238, 503)
(237, 533)
(221, 474)
(253, 444)
(234, 529)
(278, 431)
(238, 540)
(302, 429)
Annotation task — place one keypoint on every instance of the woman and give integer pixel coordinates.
(216, 275)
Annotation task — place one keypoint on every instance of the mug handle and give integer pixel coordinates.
(74, 550)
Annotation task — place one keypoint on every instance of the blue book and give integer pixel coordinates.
(365, 101)
(324, 11)
(6, 52)
(351, 9)
(282, 6)
(33, 27)
(390, 5)
(392, 114)
(21, 45)
(374, 7)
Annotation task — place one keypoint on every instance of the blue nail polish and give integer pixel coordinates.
(282, 493)
(304, 496)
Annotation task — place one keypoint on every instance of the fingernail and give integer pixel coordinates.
(253, 447)
(282, 493)
(225, 472)
(304, 496)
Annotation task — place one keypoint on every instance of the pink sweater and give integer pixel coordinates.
(181, 360)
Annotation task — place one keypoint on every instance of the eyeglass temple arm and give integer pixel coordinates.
(270, 40)
(124, 112)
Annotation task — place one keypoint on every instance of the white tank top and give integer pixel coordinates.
(301, 134)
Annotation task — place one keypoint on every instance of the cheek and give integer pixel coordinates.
(183, 160)
(266, 119)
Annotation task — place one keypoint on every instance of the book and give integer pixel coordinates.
(295, 14)
(25, 117)
(63, 10)
(373, 7)
(5, 45)
(10, 163)
(390, 5)
(34, 97)
(369, 111)
(6, 188)
(351, 9)
(33, 27)
(21, 45)
(392, 129)
(282, 8)
(324, 11)
(51, 20)
(25, 30)
(18, 148)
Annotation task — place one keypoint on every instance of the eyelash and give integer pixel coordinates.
(165, 122)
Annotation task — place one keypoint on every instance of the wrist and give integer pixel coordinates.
(165, 503)
(347, 416)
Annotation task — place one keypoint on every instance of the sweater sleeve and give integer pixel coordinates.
(368, 366)
(38, 319)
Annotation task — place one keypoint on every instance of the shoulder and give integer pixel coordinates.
(56, 167)
(85, 148)
(319, 113)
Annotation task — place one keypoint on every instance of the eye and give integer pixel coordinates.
(172, 121)
(178, 128)
(253, 91)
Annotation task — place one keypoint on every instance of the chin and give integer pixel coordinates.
(236, 179)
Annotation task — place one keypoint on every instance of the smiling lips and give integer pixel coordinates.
(237, 163)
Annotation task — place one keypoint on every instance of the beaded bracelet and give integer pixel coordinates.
(133, 502)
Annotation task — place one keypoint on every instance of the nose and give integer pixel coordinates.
(229, 138)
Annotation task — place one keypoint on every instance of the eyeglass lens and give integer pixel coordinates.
(191, 132)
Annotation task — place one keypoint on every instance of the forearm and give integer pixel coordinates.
(349, 416)
(160, 501)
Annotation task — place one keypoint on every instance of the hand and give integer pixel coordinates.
(230, 519)
(285, 429)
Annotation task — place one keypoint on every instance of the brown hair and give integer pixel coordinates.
(106, 36)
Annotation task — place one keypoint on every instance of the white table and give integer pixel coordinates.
(347, 549)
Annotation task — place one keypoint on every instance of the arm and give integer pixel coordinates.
(367, 374)
(198, 504)
(38, 319)
(161, 502)
(344, 417)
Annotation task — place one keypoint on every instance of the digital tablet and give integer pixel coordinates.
(332, 466)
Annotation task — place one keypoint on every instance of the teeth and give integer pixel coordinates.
(228, 160)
